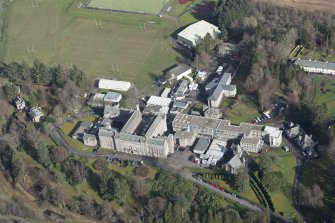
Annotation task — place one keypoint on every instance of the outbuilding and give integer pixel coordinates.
(112, 97)
(114, 85)
(194, 33)
(201, 145)
(159, 101)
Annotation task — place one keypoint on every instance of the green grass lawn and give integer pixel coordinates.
(282, 200)
(67, 129)
(243, 112)
(147, 6)
(328, 98)
(177, 9)
(249, 194)
(316, 55)
(61, 33)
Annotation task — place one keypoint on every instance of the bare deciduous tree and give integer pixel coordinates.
(314, 196)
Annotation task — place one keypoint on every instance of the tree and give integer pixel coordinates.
(241, 181)
(58, 155)
(265, 161)
(106, 185)
(122, 190)
(230, 215)
(224, 33)
(40, 73)
(331, 149)
(100, 164)
(58, 76)
(18, 169)
(252, 217)
(74, 170)
(140, 188)
(32, 100)
(59, 195)
(142, 171)
(156, 207)
(106, 213)
(10, 91)
(274, 180)
(43, 155)
(228, 12)
(314, 196)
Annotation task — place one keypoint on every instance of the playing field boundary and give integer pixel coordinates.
(160, 13)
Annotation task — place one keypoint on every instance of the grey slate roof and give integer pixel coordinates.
(316, 64)
(225, 78)
(105, 133)
(228, 87)
(89, 137)
(112, 96)
(156, 141)
(180, 104)
(235, 162)
(154, 125)
(202, 144)
(210, 85)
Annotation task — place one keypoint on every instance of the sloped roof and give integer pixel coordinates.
(159, 101)
(179, 69)
(315, 64)
(195, 32)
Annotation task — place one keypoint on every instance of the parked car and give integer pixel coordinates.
(285, 148)
(219, 70)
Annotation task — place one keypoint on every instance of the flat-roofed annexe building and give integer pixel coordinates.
(316, 66)
(114, 85)
(194, 33)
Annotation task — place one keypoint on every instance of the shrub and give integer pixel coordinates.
(100, 164)
(142, 171)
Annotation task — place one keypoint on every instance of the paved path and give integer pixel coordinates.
(242, 202)
(297, 176)
(56, 135)
(59, 139)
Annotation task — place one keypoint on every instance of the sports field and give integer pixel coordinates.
(126, 47)
(145, 6)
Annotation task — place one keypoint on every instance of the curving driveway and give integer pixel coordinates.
(56, 134)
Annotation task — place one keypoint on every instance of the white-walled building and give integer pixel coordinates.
(114, 85)
(112, 97)
(35, 114)
(90, 140)
(184, 139)
(166, 92)
(316, 66)
(273, 135)
(194, 33)
(222, 89)
(159, 101)
(251, 144)
(178, 72)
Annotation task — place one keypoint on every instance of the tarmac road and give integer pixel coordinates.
(59, 139)
(297, 176)
(242, 202)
